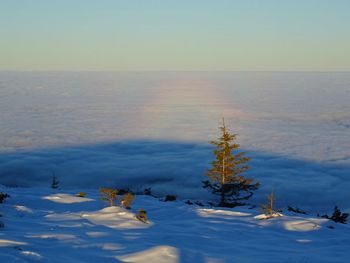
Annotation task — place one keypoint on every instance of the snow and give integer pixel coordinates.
(93, 232)
(156, 254)
(66, 198)
(114, 217)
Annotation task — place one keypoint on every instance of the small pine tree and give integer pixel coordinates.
(109, 195)
(142, 216)
(225, 174)
(54, 182)
(126, 201)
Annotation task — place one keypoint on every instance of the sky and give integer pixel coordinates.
(183, 35)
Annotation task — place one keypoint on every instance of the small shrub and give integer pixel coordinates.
(170, 198)
(3, 197)
(199, 203)
(147, 191)
(337, 216)
(269, 208)
(81, 194)
(109, 195)
(296, 210)
(54, 182)
(142, 216)
(126, 201)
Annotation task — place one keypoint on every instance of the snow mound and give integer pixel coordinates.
(264, 216)
(67, 198)
(205, 212)
(115, 217)
(10, 243)
(158, 254)
(304, 225)
(22, 208)
(89, 232)
(31, 256)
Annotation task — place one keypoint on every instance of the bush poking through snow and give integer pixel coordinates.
(126, 200)
(109, 195)
(269, 208)
(225, 177)
(142, 215)
(81, 194)
(3, 197)
(296, 210)
(54, 182)
(147, 191)
(337, 216)
(170, 198)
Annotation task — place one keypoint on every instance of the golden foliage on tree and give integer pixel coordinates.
(126, 200)
(225, 177)
(268, 208)
(142, 215)
(109, 195)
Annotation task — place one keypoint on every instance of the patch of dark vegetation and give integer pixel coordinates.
(337, 216)
(296, 210)
(54, 182)
(170, 198)
(123, 191)
(147, 191)
(231, 205)
(3, 197)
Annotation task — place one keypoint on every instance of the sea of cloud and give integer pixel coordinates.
(139, 130)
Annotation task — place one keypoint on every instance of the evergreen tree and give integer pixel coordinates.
(225, 174)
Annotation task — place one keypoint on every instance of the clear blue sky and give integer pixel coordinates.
(175, 35)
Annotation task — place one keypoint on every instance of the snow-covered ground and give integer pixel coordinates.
(45, 225)
(141, 130)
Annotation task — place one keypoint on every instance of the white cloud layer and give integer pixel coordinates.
(138, 130)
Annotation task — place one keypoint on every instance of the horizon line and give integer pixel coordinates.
(174, 71)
